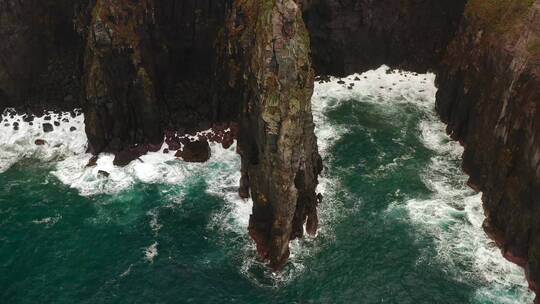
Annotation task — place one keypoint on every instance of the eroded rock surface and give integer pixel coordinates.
(489, 94)
(270, 66)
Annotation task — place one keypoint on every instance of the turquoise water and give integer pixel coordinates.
(398, 223)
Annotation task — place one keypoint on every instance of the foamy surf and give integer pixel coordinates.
(453, 214)
(24, 138)
(151, 168)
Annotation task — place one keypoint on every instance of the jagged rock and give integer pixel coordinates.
(489, 88)
(40, 142)
(276, 139)
(47, 127)
(102, 173)
(195, 152)
(92, 162)
(124, 157)
(72, 129)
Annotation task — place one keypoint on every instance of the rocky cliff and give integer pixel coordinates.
(141, 69)
(40, 54)
(270, 64)
(349, 36)
(489, 94)
(486, 57)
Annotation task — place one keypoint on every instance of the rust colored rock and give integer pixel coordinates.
(40, 142)
(173, 142)
(195, 152)
(153, 147)
(92, 162)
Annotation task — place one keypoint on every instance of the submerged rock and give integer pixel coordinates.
(102, 173)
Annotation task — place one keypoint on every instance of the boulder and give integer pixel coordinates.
(195, 152)
(47, 127)
(102, 173)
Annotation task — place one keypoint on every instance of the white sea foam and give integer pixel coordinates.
(151, 252)
(19, 144)
(151, 168)
(453, 214)
(48, 221)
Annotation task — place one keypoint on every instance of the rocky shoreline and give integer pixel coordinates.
(246, 69)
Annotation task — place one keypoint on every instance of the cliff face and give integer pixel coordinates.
(150, 66)
(486, 56)
(350, 36)
(40, 54)
(121, 96)
(269, 62)
(137, 68)
(489, 94)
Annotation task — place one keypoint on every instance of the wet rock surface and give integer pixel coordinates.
(489, 89)
(270, 65)
(195, 151)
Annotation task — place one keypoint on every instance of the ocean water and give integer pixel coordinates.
(398, 224)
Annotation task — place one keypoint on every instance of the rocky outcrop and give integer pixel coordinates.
(137, 68)
(145, 71)
(195, 151)
(152, 66)
(268, 56)
(489, 94)
(121, 94)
